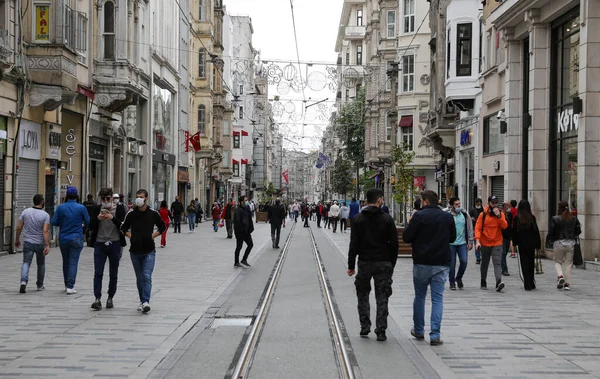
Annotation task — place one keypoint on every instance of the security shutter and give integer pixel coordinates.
(498, 188)
(27, 184)
(2, 188)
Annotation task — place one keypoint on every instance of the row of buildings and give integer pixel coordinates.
(128, 94)
(495, 97)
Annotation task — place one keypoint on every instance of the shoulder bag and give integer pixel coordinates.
(577, 256)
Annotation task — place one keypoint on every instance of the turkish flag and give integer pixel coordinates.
(286, 176)
(195, 141)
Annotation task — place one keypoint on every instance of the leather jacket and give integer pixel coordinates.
(561, 229)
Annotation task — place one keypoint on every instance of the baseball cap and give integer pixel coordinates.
(492, 199)
(116, 196)
(72, 191)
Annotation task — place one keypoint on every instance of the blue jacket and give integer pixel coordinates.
(430, 231)
(354, 209)
(70, 217)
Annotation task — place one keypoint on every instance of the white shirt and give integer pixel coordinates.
(334, 211)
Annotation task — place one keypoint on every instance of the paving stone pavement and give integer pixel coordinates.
(546, 333)
(50, 334)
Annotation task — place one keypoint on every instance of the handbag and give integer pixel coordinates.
(577, 256)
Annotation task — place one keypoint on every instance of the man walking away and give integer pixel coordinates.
(354, 208)
(177, 212)
(506, 237)
(228, 216)
(296, 211)
(35, 224)
(474, 213)
(89, 204)
(431, 231)
(70, 217)
(198, 212)
(276, 217)
(326, 215)
(243, 228)
(306, 214)
(319, 212)
(107, 239)
(462, 244)
(488, 238)
(142, 220)
(216, 216)
(344, 215)
(334, 212)
(374, 239)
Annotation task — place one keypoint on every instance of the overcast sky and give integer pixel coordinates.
(316, 25)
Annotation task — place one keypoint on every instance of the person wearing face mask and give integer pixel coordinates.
(474, 213)
(138, 226)
(117, 199)
(488, 238)
(107, 240)
(462, 244)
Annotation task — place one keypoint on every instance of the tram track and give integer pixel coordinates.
(343, 355)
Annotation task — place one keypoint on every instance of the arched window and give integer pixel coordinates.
(109, 30)
(202, 119)
(202, 63)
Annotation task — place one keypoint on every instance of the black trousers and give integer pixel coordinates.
(229, 227)
(318, 221)
(275, 234)
(527, 260)
(343, 225)
(334, 221)
(381, 272)
(177, 223)
(240, 239)
(306, 221)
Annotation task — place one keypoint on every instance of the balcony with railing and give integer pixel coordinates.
(6, 49)
(355, 32)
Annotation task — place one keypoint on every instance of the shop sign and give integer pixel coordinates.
(96, 152)
(70, 150)
(183, 176)
(30, 140)
(465, 137)
(53, 141)
(567, 121)
(419, 182)
(42, 23)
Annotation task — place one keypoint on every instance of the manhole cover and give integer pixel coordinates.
(239, 321)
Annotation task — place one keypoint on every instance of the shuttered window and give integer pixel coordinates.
(27, 184)
(498, 188)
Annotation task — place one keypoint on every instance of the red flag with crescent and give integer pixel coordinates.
(285, 176)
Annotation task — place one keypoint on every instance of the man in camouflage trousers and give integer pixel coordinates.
(374, 239)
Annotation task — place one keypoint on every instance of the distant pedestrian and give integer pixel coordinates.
(306, 215)
(276, 216)
(385, 209)
(71, 217)
(334, 213)
(563, 232)
(319, 211)
(252, 208)
(416, 208)
(526, 236)
(326, 215)
(228, 217)
(107, 239)
(488, 238)
(139, 228)
(431, 231)
(463, 243)
(354, 208)
(89, 204)
(216, 216)
(344, 215)
(34, 222)
(374, 239)
(177, 212)
(474, 213)
(166, 216)
(198, 211)
(506, 237)
(191, 212)
(243, 228)
(296, 210)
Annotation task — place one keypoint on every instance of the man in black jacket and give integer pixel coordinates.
(276, 215)
(177, 211)
(229, 209)
(430, 231)
(474, 213)
(374, 239)
(142, 220)
(243, 228)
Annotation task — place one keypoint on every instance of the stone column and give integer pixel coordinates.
(513, 110)
(588, 135)
(539, 83)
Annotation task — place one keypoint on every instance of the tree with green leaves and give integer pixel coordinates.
(402, 157)
(342, 176)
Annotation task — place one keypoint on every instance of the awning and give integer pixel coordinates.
(244, 161)
(236, 133)
(244, 133)
(406, 122)
(235, 161)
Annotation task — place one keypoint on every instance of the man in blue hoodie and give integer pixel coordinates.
(72, 218)
(354, 208)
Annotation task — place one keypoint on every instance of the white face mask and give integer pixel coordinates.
(457, 209)
(106, 205)
(116, 201)
(139, 202)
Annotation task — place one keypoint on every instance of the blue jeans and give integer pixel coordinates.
(192, 221)
(505, 249)
(29, 250)
(102, 251)
(71, 250)
(461, 251)
(216, 225)
(143, 265)
(424, 276)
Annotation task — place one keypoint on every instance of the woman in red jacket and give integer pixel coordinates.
(216, 216)
(166, 216)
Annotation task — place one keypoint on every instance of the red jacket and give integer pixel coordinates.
(216, 212)
(165, 215)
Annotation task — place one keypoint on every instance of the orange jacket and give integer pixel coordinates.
(492, 230)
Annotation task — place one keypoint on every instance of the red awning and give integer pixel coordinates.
(406, 122)
(244, 133)
(244, 161)
(235, 161)
(236, 133)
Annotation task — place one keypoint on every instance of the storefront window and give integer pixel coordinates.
(163, 119)
(565, 87)
(493, 140)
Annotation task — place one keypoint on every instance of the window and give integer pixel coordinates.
(347, 94)
(499, 50)
(493, 141)
(359, 17)
(202, 10)
(236, 141)
(488, 51)
(109, 30)
(464, 51)
(391, 24)
(202, 120)
(388, 128)
(388, 82)
(236, 169)
(480, 45)
(448, 52)
(359, 55)
(347, 57)
(406, 137)
(69, 31)
(81, 33)
(377, 134)
(241, 113)
(225, 127)
(408, 73)
(241, 91)
(202, 63)
(409, 16)
(226, 159)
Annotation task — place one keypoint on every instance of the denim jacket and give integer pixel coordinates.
(71, 217)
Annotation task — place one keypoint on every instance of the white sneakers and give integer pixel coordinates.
(144, 307)
(139, 308)
(71, 291)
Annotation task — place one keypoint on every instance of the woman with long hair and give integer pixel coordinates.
(166, 216)
(526, 235)
(564, 231)
(191, 211)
